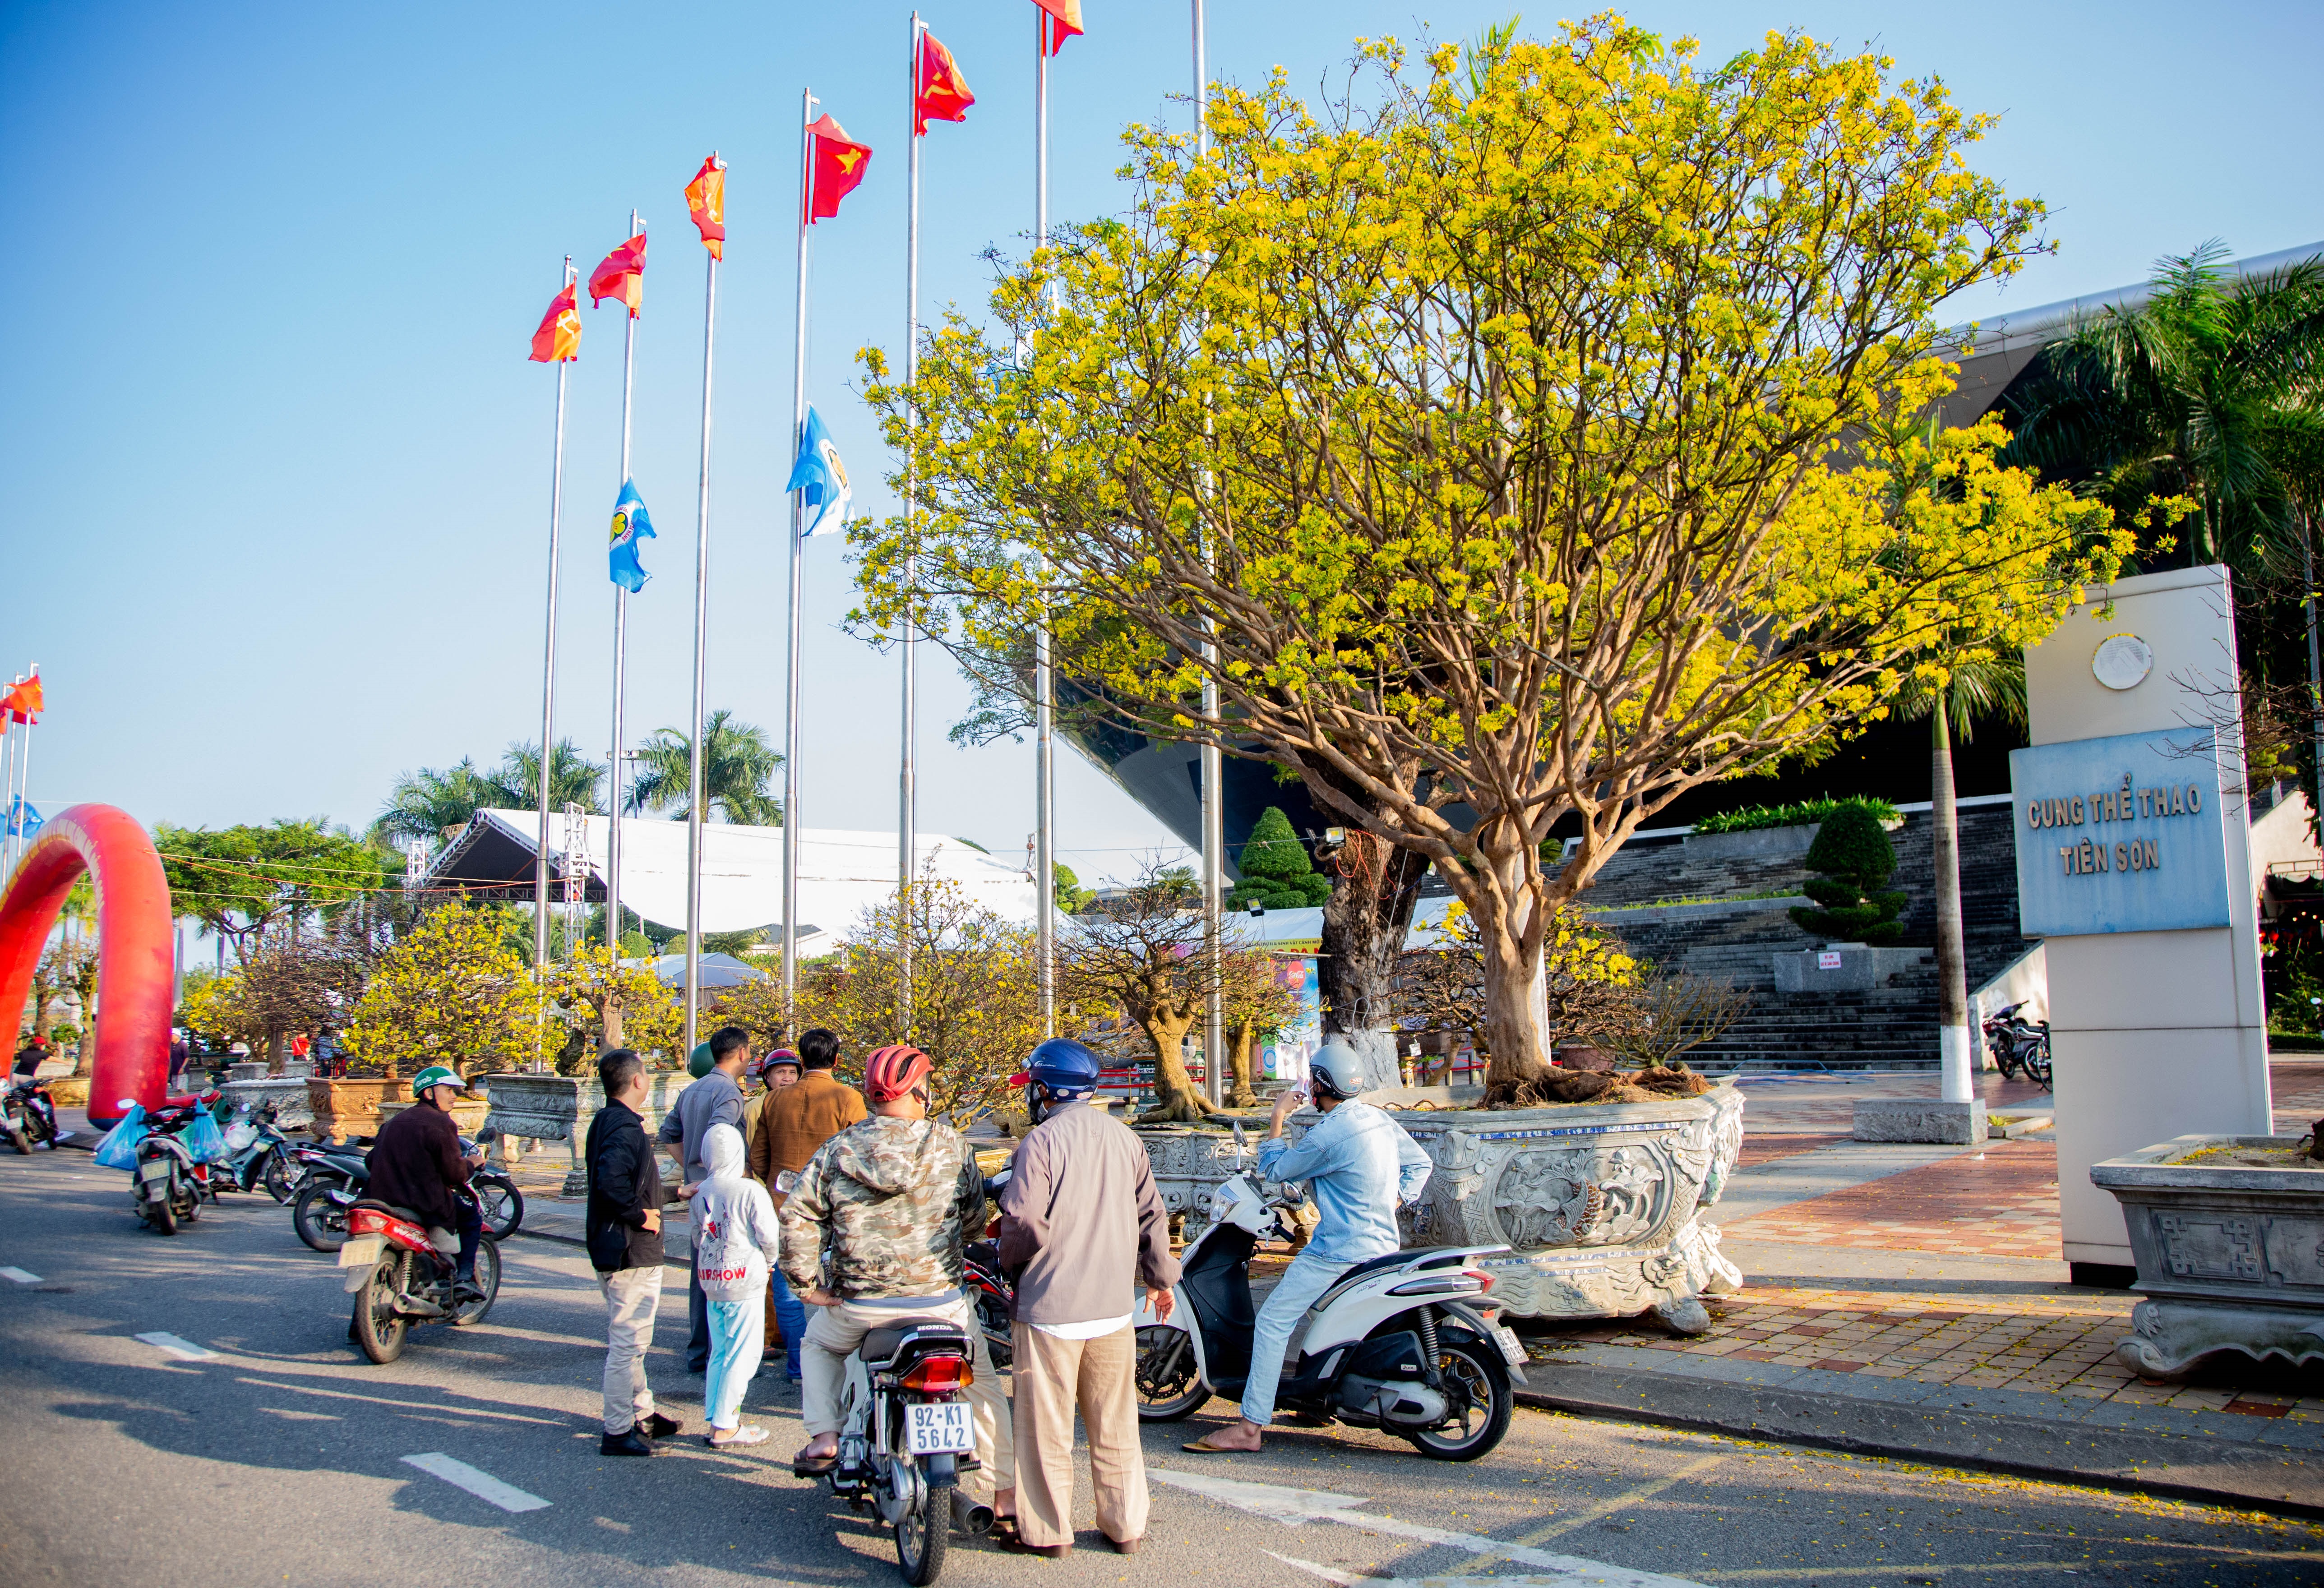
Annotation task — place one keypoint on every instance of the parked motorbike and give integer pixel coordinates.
(31, 1118)
(1401, 1344)
(906, 1434)
(167, 1186)
(994, 1298)
(2019, 1047)
(398, 1278)
(334, 1179)
(260, 1154)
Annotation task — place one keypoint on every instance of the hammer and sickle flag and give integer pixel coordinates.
(706, 203)
(939, 93)
(1064, 21)
(559, 336)
(838, 166)
(622, 275)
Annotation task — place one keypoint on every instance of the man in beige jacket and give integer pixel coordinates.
(1082, 1219)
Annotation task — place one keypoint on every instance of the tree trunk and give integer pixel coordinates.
(1242, 1042)
(275, 1040)
(1176, 1098)
(611, 1014)
(1510, 909)
(1952, 958)
(1375, 885)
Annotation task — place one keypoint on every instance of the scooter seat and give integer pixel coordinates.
(880, 1345)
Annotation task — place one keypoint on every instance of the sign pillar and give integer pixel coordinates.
(2134, 865)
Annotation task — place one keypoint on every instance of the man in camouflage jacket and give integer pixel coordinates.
(872, 1232)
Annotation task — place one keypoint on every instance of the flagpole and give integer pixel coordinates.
(621, 663)
(791, 621)
(8, 763)
(549, 670)
(907, 837)
(701, 655)
(1215, 838)
(1045, 868)
(23, 784)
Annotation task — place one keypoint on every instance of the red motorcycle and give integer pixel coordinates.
(398, 1278)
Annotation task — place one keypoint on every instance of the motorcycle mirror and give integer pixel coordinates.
(1240, 1140)
(486, 1134)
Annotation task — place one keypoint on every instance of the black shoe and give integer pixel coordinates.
(629, 1441)
(657, 1427)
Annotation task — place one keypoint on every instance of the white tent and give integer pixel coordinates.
(842, 873)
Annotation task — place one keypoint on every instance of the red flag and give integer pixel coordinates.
(1064, 21)
(939, 93)
(25, 702)
(621, 276)
(559, 336)
(839, 164)
(705, 201)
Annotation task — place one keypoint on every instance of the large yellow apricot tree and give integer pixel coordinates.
(1517, 428)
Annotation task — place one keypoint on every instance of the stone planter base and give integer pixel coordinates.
(291, 1109)
(2171, 1336)
(69, 1092)
(1921, 1118)
(347, 1109)
(559, 1108)
(468, 1112)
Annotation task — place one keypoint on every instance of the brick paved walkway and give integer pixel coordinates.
(2298, 1088)
(2003, 1203)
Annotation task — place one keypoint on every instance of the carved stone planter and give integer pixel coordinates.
(347, 1109)
(292, 1110)
(559, 1108)
(1602, 1205)
(2230, 1255)
(468, 1113)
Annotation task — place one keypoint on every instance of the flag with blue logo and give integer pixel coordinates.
(24, 821)
(630, 525)
(819, 473)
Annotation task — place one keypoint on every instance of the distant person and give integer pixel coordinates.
(799, 1119)
(735, 1242)
(416, 1163)
(30, 1058)
(715, 1099)
(623, 1229)
(179, 1050)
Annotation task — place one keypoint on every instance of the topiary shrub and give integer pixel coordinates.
(1855, 859)
(1277, 872)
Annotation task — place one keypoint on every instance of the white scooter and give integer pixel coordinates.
(1400, 1343)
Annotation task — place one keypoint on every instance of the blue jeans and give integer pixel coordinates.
(1307, 1278)
(738, 1335)
(790, 1312)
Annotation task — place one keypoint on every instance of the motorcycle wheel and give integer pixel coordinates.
(1000, 1339)
(923, 1535)
(161, 1214)
(282, 1179)
(310, 1215)
(1169, 1387)
(502, 1203)
(22, 1142)
(192, 1210)
(378, 1328)
(1475, 1368)
(488, 1280)
(2037, 1063)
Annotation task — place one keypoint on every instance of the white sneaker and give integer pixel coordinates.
(748, 1433)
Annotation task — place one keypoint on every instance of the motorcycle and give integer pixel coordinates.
(2019, 1047)
(260, 1154)
(906, 1434)
(398, 1278)
(334, 1179)
(993, 1296)
(1402, 1343)
(167, 1186)
(31, 1118)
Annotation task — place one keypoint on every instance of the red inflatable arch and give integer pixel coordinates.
(135, 983)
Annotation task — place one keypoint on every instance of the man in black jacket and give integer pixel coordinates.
(417, 1165)
(623, 1231)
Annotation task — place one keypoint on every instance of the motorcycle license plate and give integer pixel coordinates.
(1513, 1350)
(935, 1429)
(362, 1251)
(154, 1168)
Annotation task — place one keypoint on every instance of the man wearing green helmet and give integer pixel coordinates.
(417, 1163)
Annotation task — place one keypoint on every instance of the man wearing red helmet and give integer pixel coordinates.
(872, 1232)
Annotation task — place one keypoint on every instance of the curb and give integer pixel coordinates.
(2207, 1470)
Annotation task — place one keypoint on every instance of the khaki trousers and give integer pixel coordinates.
(833, 1334)
(1051, 1377)
(632, 1298)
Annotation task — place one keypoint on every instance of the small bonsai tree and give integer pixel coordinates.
(1277, 872)
(1855, 860)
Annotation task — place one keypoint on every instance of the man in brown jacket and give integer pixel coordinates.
(1082, 1219)
(797, 1121)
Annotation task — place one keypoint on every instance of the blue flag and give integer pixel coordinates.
(24, 821)
(819, 473)
(631, 524)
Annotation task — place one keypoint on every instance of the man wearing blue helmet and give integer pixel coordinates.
(1082, 1218)
(1361, 1167)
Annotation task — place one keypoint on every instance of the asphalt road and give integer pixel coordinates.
(280, 1456)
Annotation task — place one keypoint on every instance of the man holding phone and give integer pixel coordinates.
(624, 1232)
(1361, 1167)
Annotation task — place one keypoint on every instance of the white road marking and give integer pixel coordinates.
(1298, 1506)
(21, 1277)
(483, 1485)
(184, 1350)
(1351, 1580)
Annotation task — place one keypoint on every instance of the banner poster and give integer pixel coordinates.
(1285, 1058)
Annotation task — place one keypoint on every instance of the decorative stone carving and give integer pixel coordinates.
(289, 1097)
(559, 1108)
(342, 1109)
(2230, 1255)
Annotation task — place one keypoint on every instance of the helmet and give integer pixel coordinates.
(1337, 1070)
(434, 1074)
(893, 1072)
(1062, 1066)
(699, 1063)
(779, 1055)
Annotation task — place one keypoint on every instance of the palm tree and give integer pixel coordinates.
(573, 778)
(428, 803)
(738, 769)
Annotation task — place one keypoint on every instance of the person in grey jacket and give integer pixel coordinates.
(1082, 1219)
(716, 1099)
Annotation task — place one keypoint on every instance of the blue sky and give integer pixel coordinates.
(278, 471)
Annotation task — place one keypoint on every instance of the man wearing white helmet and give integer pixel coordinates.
(1361, 1167)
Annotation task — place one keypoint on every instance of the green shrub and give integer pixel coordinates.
(1277, 872)
(1751, 818)
(1855, 859)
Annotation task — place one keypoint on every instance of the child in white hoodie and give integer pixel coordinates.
(736, 1241)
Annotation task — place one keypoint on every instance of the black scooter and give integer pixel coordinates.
(31, 1118)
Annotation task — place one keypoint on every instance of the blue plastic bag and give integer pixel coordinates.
(202, 1139)
(118, 1150)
